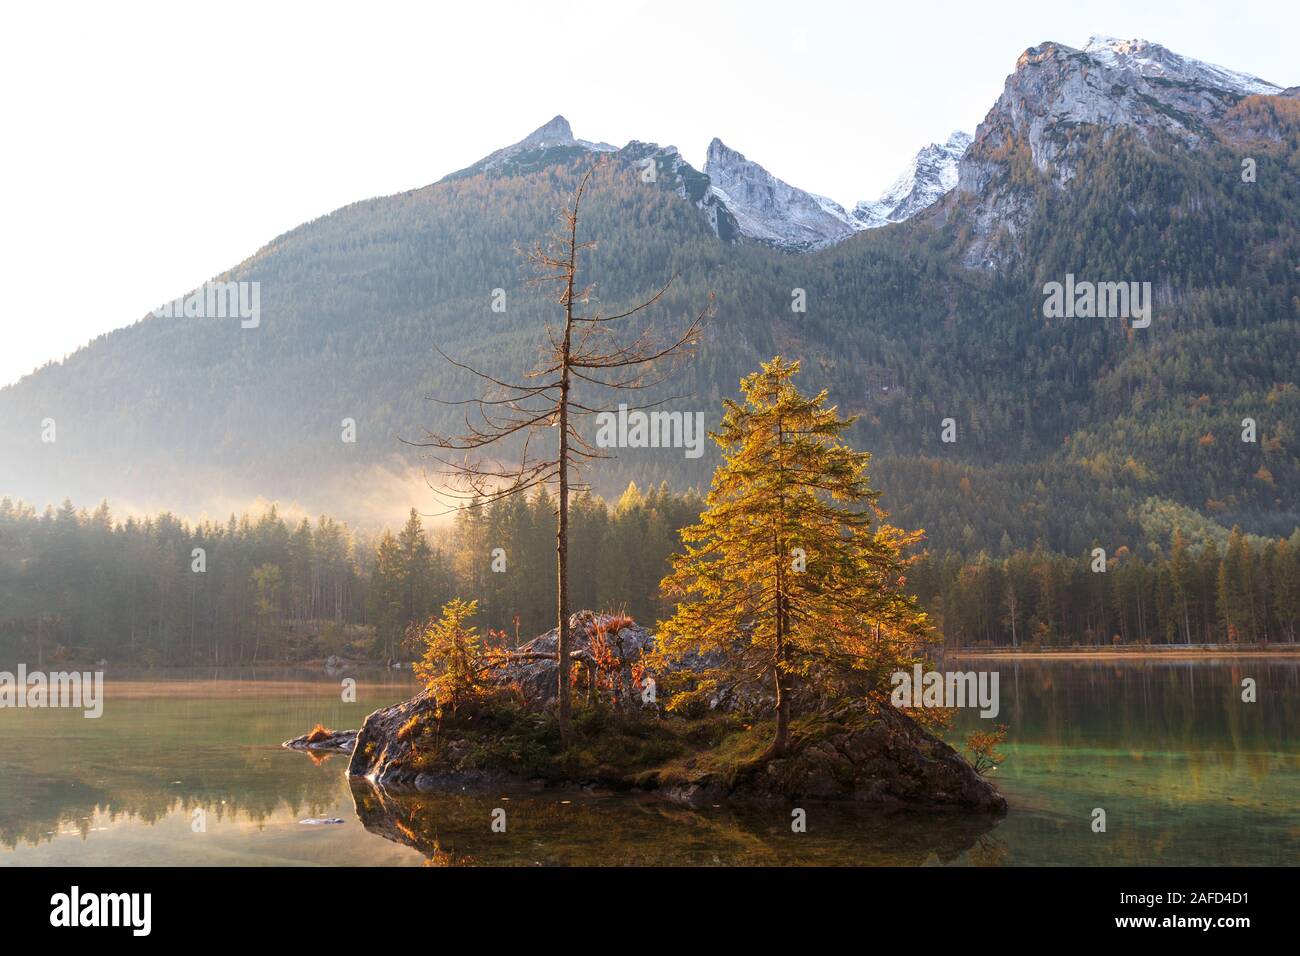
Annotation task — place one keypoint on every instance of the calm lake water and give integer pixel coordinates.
(1186, 772)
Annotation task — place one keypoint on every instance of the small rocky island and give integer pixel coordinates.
(862, 751)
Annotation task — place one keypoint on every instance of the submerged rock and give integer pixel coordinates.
(333, 741)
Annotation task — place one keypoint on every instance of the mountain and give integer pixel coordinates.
(549, 142)
(553, 142)
(931, 176)
(1058, 94)
(770, 210)
(1119, 162)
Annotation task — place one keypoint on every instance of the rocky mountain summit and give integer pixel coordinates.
(1109, 84)
(1155, 63)
(554, 142)
(740, 200)
(1057, 92)
(555, 134)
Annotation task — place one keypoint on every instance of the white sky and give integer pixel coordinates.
(148, 147)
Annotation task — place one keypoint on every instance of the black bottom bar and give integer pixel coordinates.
(370, 906)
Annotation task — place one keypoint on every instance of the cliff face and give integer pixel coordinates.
(381, 752)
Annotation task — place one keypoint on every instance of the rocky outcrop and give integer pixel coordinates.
(536, 679)
(863, 753)
(670, 169)
(382, 752)
(403, 759)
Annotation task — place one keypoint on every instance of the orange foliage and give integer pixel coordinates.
(319, 733)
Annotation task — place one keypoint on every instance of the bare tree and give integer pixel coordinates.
(584, 352)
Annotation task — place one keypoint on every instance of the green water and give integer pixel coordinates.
(183, 770)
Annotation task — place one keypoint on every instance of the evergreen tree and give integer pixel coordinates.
(415, 569)
(784, 577)
(387, 594)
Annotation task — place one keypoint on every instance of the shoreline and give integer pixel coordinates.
(1137, 652)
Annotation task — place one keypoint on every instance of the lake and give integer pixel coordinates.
(186, 769)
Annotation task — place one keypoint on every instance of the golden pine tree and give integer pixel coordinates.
(452, 663)
(791, 579)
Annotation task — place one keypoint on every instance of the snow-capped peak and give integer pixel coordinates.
(770, 210)
(1149, 91)
(1151, 60)
(931, 175)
